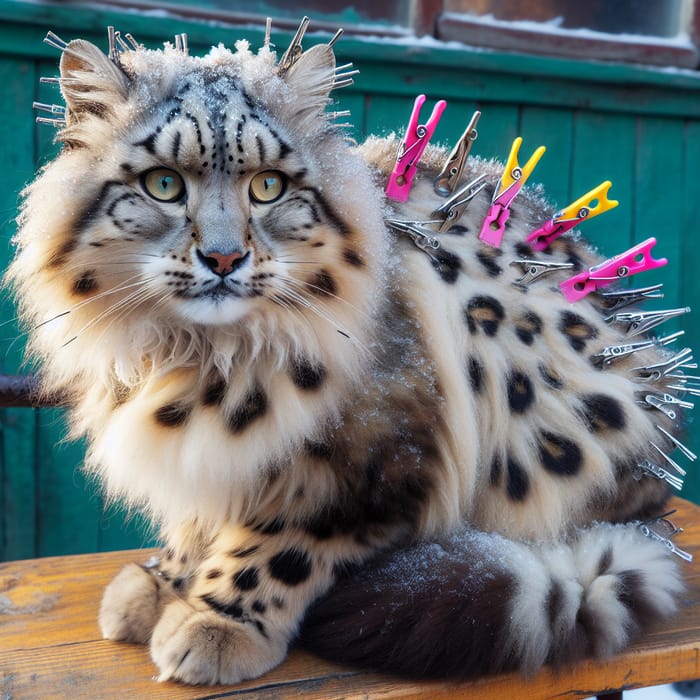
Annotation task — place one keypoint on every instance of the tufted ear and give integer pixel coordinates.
(90, 82)
(311, 79)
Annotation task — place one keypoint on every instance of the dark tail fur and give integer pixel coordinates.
(480, 604)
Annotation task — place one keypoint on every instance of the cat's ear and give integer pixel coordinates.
(311, 79)
(91, 83)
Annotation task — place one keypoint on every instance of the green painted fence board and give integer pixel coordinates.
(605, 149)
(554, 129)
(639, 127)
(659, 181)
(689, 266)
(17, 426)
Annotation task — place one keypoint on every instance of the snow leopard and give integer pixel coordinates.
(353, 423)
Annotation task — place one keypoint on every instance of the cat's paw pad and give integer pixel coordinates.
(130, 605)
(206, 648)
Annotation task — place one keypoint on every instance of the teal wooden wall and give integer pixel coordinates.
(638, 127)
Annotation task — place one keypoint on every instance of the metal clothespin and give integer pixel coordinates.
(268, 32)
(620, 298)
(54, 40)
(453, 209)
(663, 402)
(639, 322)
(655, 372)
(344, 76)
(411, 149)
(113, 50)
(512, 180)
(663, 530)
(446, 181)
(294, 51)
(534, 269)
(636, 259)
(611, 353)
(53, 80)
(181, 43)
(569, 217)
(58, 111)
(133, 44)
(417, 231)
(335, 37)
(668, 459)
(647, 468)
(686, 452)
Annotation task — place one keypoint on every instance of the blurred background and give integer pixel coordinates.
(611, 88)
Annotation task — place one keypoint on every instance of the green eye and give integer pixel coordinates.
(163, 184)
(267, 186)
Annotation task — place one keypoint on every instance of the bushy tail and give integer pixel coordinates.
(479, 604)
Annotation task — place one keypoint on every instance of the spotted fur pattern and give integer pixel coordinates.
(290, 390)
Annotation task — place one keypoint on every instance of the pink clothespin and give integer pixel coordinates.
(411, 149)
(564, 220)
(513, 178)
(632, 261)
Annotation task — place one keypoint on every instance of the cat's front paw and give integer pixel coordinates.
(131, 605)
(206, 648)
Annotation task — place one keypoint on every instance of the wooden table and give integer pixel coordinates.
(50, 647)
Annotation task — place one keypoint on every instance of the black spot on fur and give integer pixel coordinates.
(86, 283)
(261, 628)
(447, 265)
(458, 230)
(243, 552)
(259, 607)
(476, 374)
(306, 375)
(487, 257)
(633, 593)
(496, 469)
(518, 484)
(291, 566)
(271, 527)
(234, 609)
(523, 250)
(560, 455)
(521, 393)
(247, 579)
(149, 142)
(320, 450)
(551, 378)
(215, 393)
(602, 412)
(172, 415)
(322, 284)
(353, 258)
(555, 600)
(214, 573)
(577, 330)
(253, 406)
(484, 311)
(528, 326)
(605, 561)
(64, 250)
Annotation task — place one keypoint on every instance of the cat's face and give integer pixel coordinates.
(205, 191)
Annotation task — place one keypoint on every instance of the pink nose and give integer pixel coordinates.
(220, 263)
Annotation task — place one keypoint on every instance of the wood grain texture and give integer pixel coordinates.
(50, 647)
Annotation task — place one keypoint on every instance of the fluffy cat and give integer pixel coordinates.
(398, 456)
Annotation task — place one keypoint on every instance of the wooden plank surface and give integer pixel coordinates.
(50, 647)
